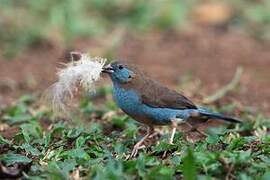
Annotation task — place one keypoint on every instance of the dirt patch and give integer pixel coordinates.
(209, 56)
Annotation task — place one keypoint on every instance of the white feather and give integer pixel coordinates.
(82, 73)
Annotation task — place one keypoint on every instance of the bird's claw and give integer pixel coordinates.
(135, 150)
(139, 145)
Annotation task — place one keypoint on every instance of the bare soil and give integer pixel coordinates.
(208, 56)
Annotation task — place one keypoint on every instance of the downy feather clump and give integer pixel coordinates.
(82, 73)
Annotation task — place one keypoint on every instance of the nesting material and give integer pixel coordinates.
(80, 74)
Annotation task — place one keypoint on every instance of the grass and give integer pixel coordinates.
(96, 142)
(48, 148)
(31, 23)
(61, 21)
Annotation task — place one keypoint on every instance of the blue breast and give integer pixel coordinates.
(129, 101)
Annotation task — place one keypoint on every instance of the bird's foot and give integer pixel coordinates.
(174, 125)
(135, 150)
(139, 145)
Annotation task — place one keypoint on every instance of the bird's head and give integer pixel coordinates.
(119, 72)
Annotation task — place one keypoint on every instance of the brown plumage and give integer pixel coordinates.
(151, 103)
(154, 94)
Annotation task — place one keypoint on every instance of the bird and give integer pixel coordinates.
(152, 104)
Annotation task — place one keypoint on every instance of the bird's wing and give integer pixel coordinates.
(156, 95)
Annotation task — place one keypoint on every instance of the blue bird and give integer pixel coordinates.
(150, 103)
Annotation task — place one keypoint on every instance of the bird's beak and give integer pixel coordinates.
(107, 69)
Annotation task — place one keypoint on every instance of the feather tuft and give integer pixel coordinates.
(81, 73)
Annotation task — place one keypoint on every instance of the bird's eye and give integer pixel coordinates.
(120, 67)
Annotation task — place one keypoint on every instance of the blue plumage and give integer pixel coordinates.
(129, 101)
(151, 103)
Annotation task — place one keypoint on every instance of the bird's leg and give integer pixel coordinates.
(138, 144)
(157, 132)
(174, 126)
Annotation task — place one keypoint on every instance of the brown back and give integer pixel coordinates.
(154, 94)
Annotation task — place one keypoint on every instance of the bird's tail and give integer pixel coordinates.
(219, 116)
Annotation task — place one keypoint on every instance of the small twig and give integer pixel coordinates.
(229, 87)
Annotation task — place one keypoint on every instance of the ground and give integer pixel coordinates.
(35, 144)
(207, 55)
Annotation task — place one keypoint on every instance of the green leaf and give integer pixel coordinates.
(164, 146)
(31, 130)
(119, 147)
(20, 118)
(74, 133)
(237, 143)
(30, 149)
(3, 140)
(27, 98)
(95, 128)
(25, 133)
(67, 165)
(189, 166)
(266, 176)
(217, 130)
(54, 172)
(10, 159)
(161, 172)
(176, 160)
(244, 156)
(244, 176)
(58, 129)
(119, 121)
(76, 153)
(80, 141)
(212, 139)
